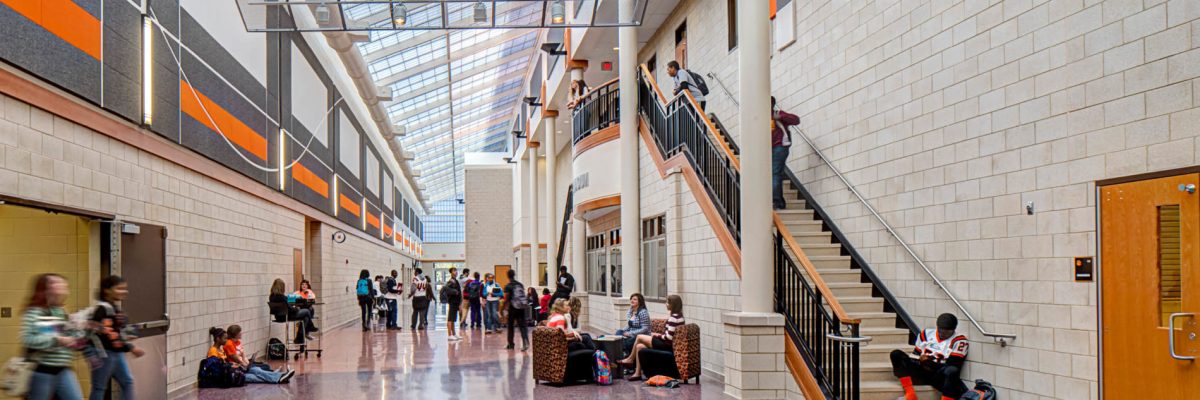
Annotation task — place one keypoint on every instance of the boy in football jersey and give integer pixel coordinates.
(940, 354)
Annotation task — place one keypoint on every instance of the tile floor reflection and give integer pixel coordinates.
(384, 364)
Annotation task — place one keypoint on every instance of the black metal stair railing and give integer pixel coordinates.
(598, 109)
(562, 232)
(677, 128)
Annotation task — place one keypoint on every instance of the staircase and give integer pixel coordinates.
(562, 231)
(840, 317)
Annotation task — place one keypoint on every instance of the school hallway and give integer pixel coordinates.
(383, 364)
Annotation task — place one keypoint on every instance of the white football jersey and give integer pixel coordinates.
(940, 349)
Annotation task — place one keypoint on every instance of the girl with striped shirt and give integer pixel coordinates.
(47, 342)
(659, 341)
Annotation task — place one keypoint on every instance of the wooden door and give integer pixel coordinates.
(681, 45)
(1149, 235)
(297, 268)
(501, 272)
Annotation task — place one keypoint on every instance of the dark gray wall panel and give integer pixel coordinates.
(28, 46)
(122, 60)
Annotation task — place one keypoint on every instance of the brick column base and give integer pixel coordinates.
(620, 307)
(754, 356)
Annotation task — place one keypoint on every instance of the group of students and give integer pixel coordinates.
(51, 340)
(385, 293)
(564, 315)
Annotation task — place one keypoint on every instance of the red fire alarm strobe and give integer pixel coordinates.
(606, 66)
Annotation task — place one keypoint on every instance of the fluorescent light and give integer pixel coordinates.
(558, 12)
(481, 13)
(335, 195)
(282, 159)
(147, 69)
(399, 14)
(362, 210)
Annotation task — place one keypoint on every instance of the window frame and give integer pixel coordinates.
(654, 240)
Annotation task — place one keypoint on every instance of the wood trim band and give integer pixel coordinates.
(598, 138)
(724, 236)
(577, 64)
(550, 114)
(527, 245)
(1149, 175)
(800, 372)
(36, 94)
(598, 203)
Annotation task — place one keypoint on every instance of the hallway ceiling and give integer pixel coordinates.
(452, 90)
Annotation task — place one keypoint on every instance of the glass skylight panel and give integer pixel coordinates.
(408, 58)
(489, 77)
(363, 10)
(495, 53)
(466, 102)
(463, 39)
(423, 100)
(527, 15)
(410, 84)
(504, 103)
(425, 132)
(425, 116)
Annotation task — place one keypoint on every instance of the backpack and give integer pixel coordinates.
(473, 290)
(982, 391)
(364, 288)
(520, 299)
(276, 350)
(497, 291)
(450, 292)
(389, 285)
(662, 381)
(700, 83)
(602, 371)
(216, 373)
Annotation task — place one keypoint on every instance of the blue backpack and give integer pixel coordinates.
(364, 287)
(602, 371)
(216, 373)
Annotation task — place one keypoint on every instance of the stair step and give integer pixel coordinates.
(860, 304)
(830, 263)
(822, 249)
(795, 212)
(845, 275)
(875, 319)
(803, 238)
(804, 226)
(850, 289)
(886, 336)
(890, 390)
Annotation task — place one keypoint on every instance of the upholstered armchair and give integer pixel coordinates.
(553, 363)
(683, 362)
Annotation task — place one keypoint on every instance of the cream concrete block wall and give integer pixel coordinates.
(488, 217)
(949, 115)
(224, 248)
(35, 242)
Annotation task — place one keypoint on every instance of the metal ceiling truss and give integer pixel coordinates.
(332, 15)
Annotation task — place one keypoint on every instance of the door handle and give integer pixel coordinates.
(1171, 335)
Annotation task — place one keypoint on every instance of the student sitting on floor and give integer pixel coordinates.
(254, 373)
(940, 353)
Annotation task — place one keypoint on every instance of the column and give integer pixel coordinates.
(579, 264)
(754, 76)
(552, 216)
(631, 212)
(534, 243)
(754, 338)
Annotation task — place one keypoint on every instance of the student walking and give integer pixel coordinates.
(462, 285)
(473, 292)
(421, 294)
(781, 143)
(109, 321)
(392, 290)
(47, 343)
(518, 301)
(686, 80)
(451, 295)
(363, 290)
(493, 294)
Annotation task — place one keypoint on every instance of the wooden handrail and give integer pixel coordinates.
(595, 88)
(834, 304)
(712, 128)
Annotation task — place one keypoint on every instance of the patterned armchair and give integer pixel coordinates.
(683, 362)
(553, 363)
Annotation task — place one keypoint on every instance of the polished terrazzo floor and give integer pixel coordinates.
(404, 364)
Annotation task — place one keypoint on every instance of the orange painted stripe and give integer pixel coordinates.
(774, 9)
(373, 220)
(349, 205)
(234, 129)
(308, 178)
(387, 230)
(64, 19)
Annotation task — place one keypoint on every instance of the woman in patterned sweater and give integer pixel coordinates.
(47, 342)
(658, 341)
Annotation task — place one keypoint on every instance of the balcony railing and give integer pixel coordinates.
(598, 109)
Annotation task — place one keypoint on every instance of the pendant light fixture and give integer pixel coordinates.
(558, 12)
(399, 14)
(481, 13)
